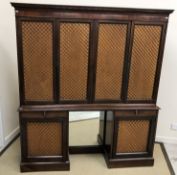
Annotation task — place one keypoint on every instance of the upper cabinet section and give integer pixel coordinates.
(70, 54)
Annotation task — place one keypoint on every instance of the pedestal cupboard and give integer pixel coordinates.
(74, 58)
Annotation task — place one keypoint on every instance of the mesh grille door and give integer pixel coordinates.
(132, 136)
(144, 61)
(74, 52)
(44, 138)
(37, 61)
(110, 60)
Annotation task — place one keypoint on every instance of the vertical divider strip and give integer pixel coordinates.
(159, 62)
(56, 56)
(20, 60)
(93, 43)
(127, 61)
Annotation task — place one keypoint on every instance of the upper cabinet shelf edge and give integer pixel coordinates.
(91, 12)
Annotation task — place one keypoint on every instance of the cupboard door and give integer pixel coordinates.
(47, 140)
(132, 136)
(134, 132)
(44, 136)
(110, 61)
(37, 53)
(74, 53)
(144, 58)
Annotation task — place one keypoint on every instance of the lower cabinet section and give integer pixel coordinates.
(126, 137)
(129, 137)
(44, 141)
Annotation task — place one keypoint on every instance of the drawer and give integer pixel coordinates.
(42, 114)
(135, 112)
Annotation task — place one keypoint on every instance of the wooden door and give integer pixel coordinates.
(112, 38)
(36, 61)
(145, 58)
(73, 61)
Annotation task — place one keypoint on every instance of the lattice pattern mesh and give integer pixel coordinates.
(44, 139)
(111, 49)
(132, 136)
(37, 60)
(143, 62)
(74, 47)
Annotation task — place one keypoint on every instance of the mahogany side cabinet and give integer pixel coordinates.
(76, 58)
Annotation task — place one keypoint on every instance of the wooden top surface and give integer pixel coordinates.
(88, 107)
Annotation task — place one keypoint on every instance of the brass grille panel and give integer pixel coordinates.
(111, 49)
(132, 136)
(37, 59)
(74, 46)
(143, 62)
(44, 139)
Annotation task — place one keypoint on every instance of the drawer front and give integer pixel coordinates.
(44, 114)
(134, 133)
(134, 112)
(44, 136)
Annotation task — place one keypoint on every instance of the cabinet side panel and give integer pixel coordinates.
(38, 60)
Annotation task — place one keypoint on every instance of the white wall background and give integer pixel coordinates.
(8, 65)
(8, 74)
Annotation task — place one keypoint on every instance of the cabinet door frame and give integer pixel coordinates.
(125, 60)
(151, 136)
(19, 21)
(57, 38)
(163, 25)
(63, 120)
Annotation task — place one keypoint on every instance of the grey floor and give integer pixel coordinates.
(83, 164)
(171, 150)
